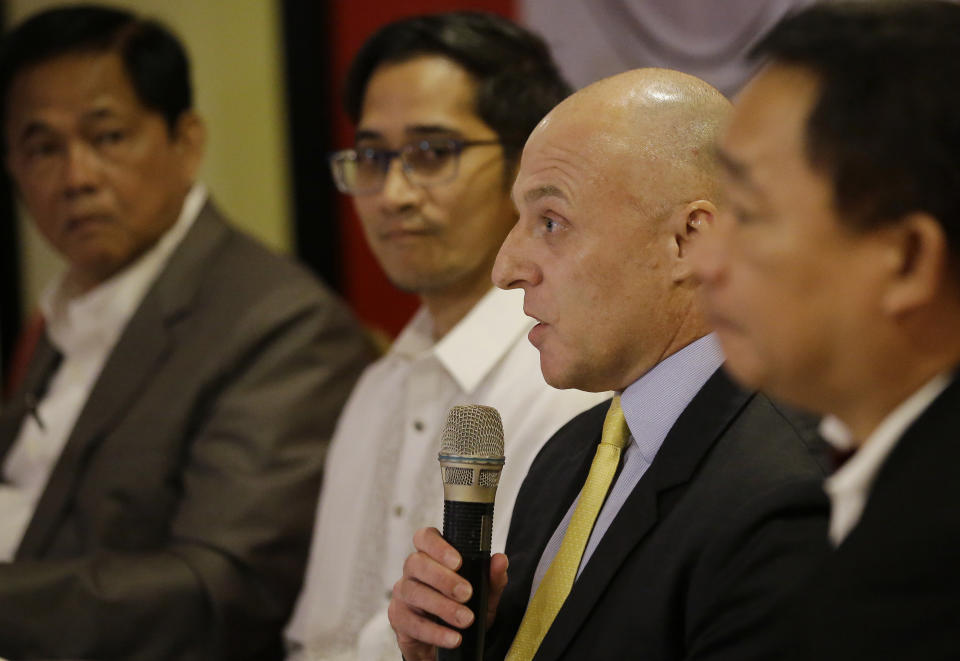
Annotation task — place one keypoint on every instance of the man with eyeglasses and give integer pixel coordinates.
(443, 105)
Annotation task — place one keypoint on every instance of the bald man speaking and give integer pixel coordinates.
(668, 523)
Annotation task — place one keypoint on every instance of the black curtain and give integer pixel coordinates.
(10, 296)
(306, 39)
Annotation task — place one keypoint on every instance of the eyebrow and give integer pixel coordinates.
(31, 129)
(429, 129)
(99, 113)
(737, 169)
(416, 130)
(38, 126)
(535, 194)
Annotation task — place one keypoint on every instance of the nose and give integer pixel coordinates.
(515, 266)
(398, 193)
(81, 169)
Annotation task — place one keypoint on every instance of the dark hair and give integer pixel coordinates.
(886, 125)
(153, 57)
(517, 80)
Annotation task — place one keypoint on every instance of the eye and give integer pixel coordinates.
(436, 149)
(550, 224)
(112, 137)
(372, 161)
(428, 156)
(370, 156)
(42, 148)
(741, 216)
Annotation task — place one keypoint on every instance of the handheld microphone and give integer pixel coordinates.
(471, 458)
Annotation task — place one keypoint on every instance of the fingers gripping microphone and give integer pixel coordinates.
(471, 458)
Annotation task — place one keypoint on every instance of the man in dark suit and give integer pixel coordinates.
(161, 461)
(710, 508)
(834, 285)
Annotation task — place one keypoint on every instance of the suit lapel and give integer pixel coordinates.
(551, 485)
(138, 354)
(692, 436)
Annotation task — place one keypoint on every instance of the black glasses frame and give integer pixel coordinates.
(384, 157)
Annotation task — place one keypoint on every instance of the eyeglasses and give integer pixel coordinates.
(425, 162)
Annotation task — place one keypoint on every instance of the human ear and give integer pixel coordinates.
(696, 221)
(919, 263)
(190, 138)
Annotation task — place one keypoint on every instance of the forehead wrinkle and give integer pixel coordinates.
(557, 172)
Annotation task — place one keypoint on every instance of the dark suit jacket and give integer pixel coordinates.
(891, 590)
(729, 516)
(176, 522)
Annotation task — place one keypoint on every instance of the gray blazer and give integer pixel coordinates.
(176, 522)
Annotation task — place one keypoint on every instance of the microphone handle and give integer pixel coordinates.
(468, 528)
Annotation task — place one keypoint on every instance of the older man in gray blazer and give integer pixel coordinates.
(161, 461)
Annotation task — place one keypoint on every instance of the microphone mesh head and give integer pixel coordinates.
(473, 431)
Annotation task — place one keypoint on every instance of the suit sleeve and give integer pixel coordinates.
(222, 582)
(767, 549)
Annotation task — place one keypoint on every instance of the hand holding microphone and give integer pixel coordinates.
(431, 593)
(471, 458)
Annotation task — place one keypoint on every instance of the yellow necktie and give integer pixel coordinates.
(558, 580)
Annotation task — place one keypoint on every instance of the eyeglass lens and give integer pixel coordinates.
(425, 162)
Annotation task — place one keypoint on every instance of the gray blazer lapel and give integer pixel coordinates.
(694, 433)
(141, 348)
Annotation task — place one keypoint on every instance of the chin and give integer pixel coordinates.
(553, 374)
(565, 376)
(410, 280)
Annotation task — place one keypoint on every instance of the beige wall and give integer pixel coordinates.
(234, 46)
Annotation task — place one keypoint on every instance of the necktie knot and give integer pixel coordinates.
(615, 430)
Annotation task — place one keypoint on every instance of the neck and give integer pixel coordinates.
(871, 405)
(898, 364)
(82, 282)
(446, 309)
(690, 327)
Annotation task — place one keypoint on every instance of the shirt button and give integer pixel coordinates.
(398, 511)
(418, 425)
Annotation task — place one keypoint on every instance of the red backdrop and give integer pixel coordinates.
(366, 288)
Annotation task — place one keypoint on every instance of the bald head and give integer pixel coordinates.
(659, 123)
(614, 187)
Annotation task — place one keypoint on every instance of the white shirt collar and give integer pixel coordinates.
(476, 344)
(849, 488)
(96, 318)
